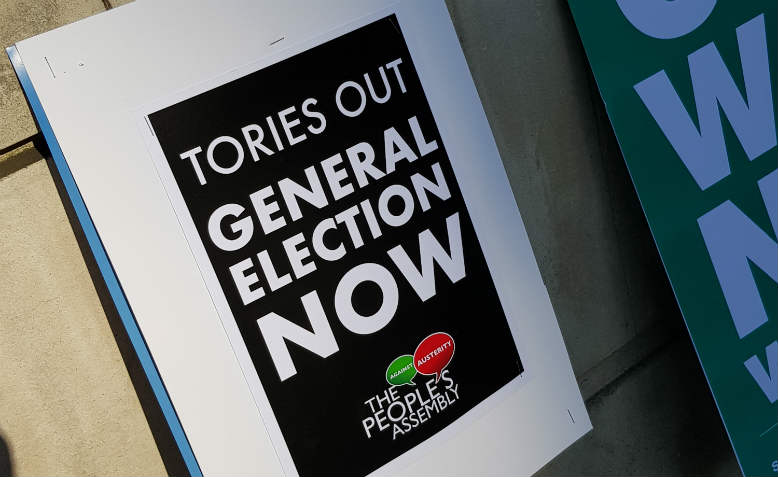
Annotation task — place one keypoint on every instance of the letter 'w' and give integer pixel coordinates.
(452, 263)
(704, 152)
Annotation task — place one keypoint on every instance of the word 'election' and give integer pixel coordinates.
(350, 199)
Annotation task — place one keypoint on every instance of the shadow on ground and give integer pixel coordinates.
(6, 468)
(658, 418)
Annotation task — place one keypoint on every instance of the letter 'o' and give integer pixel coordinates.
(666, 20)
(362, 99)
(344, 307)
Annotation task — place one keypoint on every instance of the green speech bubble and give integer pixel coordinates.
(401, 371)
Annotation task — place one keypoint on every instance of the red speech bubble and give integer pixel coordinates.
(433, 354)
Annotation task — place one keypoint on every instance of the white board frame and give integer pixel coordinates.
(517, 430)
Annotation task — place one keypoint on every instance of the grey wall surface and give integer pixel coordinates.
(648, 399)
(649, 402)
(584, 221)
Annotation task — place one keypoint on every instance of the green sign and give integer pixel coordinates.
(401, 371)
(690, 88)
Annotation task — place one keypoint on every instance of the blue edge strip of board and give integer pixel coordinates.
(106, 269)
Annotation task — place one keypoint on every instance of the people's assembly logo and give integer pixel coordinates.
(402, 413)
(431, 356)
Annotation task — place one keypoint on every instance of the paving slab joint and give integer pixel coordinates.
(21, 155)
(608, 372)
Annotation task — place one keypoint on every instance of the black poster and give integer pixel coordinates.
(326, 203)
